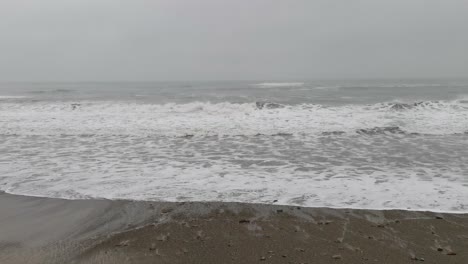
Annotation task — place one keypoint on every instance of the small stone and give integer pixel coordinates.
(279, 211)
(451, 253)
(162, 238)
(263, 258)
(124, 243)
(336, 256)
(421, 259)
(439, 217)
(284, 256)
(381, 226)
(298, 208)
(275, 201)
(200, 235)
(153, 246)
(397, 221)
(185, 250)
(166, 210)
(244, 221)
(440, 249)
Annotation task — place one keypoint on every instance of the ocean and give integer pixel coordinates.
(371, 144)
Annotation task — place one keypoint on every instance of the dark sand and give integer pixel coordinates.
(43, 230)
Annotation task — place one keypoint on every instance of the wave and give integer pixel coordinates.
(268, 105)
(381, 130)
(421, 105)
(206, 119)
(278, 84)
(5, 97)
(52, 91)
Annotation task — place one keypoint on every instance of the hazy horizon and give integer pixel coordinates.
(252, 81)
(130, 41)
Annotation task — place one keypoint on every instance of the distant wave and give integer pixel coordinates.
(52, 91)
(399, 85)
(279, 84)
(11, 97)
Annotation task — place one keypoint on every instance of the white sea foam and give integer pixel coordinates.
(240, 153)
(11, 97)
(360, 172)
(201, 119)
(279, 84)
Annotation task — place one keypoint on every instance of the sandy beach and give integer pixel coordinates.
(45, 230)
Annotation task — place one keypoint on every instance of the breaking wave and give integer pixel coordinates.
(207, 119)
(52, 91)
(279, 84)
(422, 105)
(6, 97)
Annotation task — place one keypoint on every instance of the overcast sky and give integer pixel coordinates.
(86, 40)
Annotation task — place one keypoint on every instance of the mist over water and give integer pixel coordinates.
(363, 144)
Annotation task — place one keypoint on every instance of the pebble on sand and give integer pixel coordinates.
(337, 257)
(153, 246)
(124, 243)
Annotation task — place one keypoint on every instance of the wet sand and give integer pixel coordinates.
(44, 230)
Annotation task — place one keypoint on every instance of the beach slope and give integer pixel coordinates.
(45, 230)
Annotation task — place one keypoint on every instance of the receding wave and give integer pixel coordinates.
(206, 119)
(358, 156)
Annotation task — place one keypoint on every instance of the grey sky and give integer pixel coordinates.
(78, 40)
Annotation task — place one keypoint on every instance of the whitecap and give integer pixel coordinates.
(279, 84)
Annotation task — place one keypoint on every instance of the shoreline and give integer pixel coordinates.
(49, 230)
(273, 203)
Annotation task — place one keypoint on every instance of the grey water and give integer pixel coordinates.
(342, 143)
(328, 92)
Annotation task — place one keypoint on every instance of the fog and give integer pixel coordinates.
(146, 40)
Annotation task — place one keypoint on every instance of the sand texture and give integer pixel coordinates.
(43, 230)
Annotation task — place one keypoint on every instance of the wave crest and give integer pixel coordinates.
(204, 119)
(278, 84)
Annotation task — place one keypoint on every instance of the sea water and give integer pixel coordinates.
(375, 144)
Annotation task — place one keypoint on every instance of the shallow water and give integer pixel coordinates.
(374, 144)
